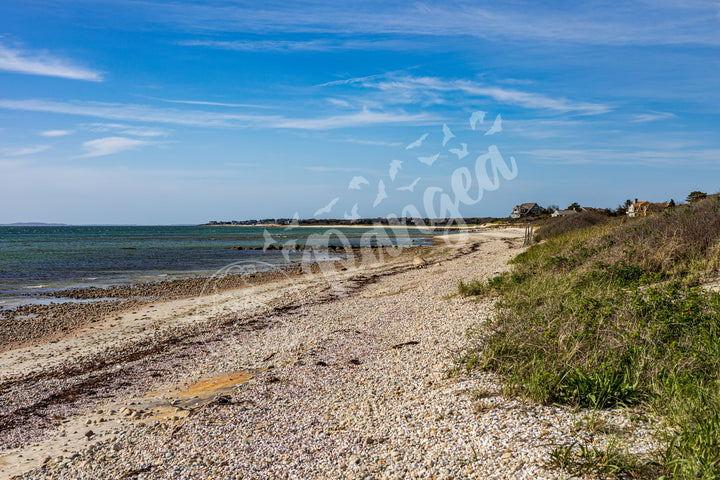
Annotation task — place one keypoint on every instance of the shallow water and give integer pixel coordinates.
(35, 260)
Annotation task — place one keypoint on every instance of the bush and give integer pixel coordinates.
(607, 316)
(574, 222)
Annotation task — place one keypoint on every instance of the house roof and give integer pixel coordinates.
(526, 205)
(645, 203)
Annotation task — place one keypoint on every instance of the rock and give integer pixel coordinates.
(419, 261)
(127, 412)
(89, 434)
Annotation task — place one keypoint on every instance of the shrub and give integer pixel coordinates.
(607, 316)
(560, 225)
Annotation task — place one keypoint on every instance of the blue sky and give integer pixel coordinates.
(158, 112)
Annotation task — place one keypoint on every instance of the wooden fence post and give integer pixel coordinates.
(528, 235)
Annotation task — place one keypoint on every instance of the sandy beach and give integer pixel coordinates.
(348, 372)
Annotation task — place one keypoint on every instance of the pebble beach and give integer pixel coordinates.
(345, 374)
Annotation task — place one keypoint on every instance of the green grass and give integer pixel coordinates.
(612, 316)
(611, 461)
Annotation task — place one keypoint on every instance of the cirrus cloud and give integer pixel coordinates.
(110, 145)
(55, 133)
(44, 64)
(20, 152)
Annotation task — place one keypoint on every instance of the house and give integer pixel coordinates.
(525, 209)
(642, 209)
(563, 213)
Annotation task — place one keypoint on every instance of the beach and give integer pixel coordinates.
(346, 370)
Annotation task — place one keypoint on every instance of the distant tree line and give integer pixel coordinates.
(431, 222)
(621, 210)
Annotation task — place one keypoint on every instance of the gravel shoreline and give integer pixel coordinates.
(33, 323)
(346, 379)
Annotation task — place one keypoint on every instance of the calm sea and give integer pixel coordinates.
(37, 259)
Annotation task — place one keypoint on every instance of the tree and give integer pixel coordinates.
(671, 203)
(574, 206)
(695, 196)
(553, 208)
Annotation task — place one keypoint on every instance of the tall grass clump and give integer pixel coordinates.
(572, 223)
(615, 315)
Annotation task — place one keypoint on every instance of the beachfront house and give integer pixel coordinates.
(564, 213)
(525, 209)
(644, 208)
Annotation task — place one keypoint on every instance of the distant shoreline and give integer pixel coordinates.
(329, 225)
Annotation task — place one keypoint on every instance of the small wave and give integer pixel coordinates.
(91, 278)
(35, 286)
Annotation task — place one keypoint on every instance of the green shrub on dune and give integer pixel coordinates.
(615, 315)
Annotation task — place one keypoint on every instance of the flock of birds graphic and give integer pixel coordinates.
(357, 182)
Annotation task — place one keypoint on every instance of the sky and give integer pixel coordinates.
(181, 112)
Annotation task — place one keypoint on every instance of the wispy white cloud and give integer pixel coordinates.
(609, 156)
(652, 116)
(363, 118)
(634, 23)
(110, 145)
(127, 129)
(314, 45)
(261, 45)
(411, 89)
(136, 113)
(56, 133)
(379, 143)
(339, 102)
(211, 104)
(42, 63)
(23, 151)
(198, 118)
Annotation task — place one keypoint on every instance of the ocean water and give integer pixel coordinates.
(34, 260)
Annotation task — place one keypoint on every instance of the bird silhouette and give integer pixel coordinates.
(429, 160)
(353, 215)
(477, 117)
(417, 142)
(411, 187)
(447, 134)
(496, 126)
(327, 208)
(381, 194)
(269, 240)
(356, 182)
(461, 153)
(394, 168)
